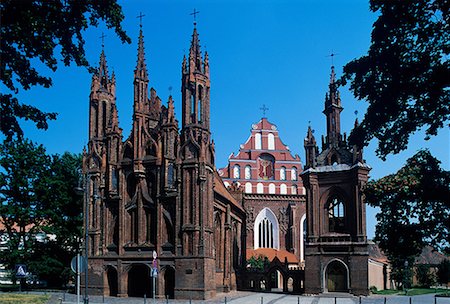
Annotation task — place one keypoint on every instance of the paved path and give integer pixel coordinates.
(240, 297)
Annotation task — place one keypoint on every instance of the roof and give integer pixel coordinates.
(271, 253)
(430, 256)
(220, 188)
(376, 254)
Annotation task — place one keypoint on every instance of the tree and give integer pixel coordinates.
(405, 76)
(443, 273)
(425, 276)
(415, 209)
(23, 164)
(33, 30)
(39, 209)
(63, 220)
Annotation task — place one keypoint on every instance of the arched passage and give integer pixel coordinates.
(139, 281)
(169, 282)
(336, 276)
(276, 280)
(111, 274)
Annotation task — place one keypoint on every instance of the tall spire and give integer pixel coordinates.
(195, 54)
(332, 110)
(102, 71)
(141, 67)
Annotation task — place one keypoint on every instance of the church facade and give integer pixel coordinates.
(157, 190)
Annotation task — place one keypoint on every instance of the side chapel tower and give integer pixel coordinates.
(336, 252)
(197, 175)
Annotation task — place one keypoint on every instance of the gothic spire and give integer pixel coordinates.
(102, 71)
(141, 68)
(195, 54)
(332, 110)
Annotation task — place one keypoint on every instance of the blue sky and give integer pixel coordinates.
(261, 52)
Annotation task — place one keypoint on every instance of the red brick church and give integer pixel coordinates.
(157, 189)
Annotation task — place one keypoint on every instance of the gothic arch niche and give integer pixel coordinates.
(169, 282)
(200, 106)
(266, 166)
(336, 276)
(218, 240)
(168, 234)
(266, 230)
(112, 280)
(139, 281)
(128, 151)
(336, 215)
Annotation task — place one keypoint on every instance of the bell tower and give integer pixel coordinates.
(195, 264)
(336, 251)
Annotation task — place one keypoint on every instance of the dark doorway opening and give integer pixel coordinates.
(139, 281)
(337, 277)
(111, 273)
(169, 282)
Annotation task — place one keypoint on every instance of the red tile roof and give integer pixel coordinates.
(271, 253)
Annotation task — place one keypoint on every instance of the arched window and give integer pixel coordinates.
(283, 173)
(294, 189)
(227, 184)
(259, 188)
(336, 215)
(258, 141)
(294, 173)
(266, 230)
(272, 188)
(192, 103)
(236, 171)
(200, 98)
(302, 237)
(283, 189)
(248, 172)
(303, 190)
(271, 141)
(248, 188)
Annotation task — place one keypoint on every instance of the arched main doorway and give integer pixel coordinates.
(169, 282)
(276, 280)
(336, 277)
(139, 281)
(111, 274)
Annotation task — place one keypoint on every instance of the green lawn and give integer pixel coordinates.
(411, 292)
(14, 298)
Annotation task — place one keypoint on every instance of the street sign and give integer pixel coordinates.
(154, 273)
(21, 271)
(81, 261)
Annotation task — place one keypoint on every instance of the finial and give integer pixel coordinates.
(102, 37)
(264, 109)
(140, 16)
(332, 57)
(194, 13)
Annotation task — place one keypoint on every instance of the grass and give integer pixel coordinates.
(411, 292)
(14, 298)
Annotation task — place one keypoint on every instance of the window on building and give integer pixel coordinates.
(266, 230)
(170, 175)
(336, 215)
(248, 172)
(260, 188)
(283, 189)
(200, 98)
(294, 173)
(236, 171)
(248, 188)
(272, 188)
(294, 189)
(271, 142)
(283, 173)
(258, 141)
(227, 184)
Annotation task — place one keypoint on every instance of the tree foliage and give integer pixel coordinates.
(425, 277)
(33, 31)
(443, 273)
(39, 209)
(415, 208)
(405, 75)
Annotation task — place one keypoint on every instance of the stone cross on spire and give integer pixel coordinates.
(140, 16)
(194, 13)
(264, 109)
(332, 57)
(102, 37)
